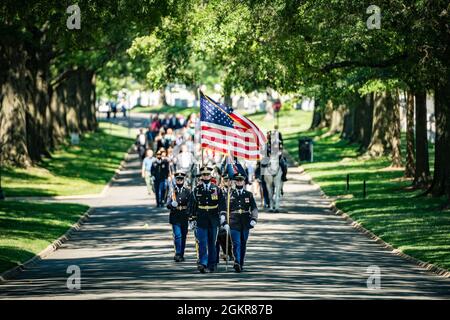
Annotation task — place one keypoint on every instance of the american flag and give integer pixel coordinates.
(224, 130)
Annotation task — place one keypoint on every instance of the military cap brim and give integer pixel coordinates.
(179, 175)
(206, 170)
(239, 177)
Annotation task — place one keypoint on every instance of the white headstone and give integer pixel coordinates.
(74, 138)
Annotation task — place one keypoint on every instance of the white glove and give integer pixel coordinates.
(192, 225)
(153, 178)
(226, 228)
(222, 219)
(174, 204)
(253, 223)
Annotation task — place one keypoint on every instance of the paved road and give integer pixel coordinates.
(304, 252)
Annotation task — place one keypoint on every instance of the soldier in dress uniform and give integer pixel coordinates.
(177, 203)
(222, 237)
(243, 217)
(205, 206)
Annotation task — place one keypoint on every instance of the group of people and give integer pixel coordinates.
(220, 216)
(113, 108)
(194, 185)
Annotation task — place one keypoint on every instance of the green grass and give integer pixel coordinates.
(72, 170)
(26, 228)
(166, 110)
(415, 225)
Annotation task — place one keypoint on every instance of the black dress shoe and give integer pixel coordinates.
(181, 259)
(237, 267)
(213, 268)
(202, 268)
(177, 258)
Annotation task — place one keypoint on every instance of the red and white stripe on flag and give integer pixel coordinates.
(228, 132)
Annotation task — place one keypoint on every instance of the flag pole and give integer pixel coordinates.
(228, 210)
(200, 100)
(228, 222)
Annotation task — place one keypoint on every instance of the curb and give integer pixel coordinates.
(356, 225)
(55, 245)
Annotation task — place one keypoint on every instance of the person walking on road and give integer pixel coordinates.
(205, 205)
(141, 144)
(147, 170)
(243, 217)
(177, 203)
(160, 174)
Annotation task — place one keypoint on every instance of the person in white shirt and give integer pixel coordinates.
(146, 170)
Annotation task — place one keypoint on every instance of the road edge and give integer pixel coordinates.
(434, 269)
(55, 245)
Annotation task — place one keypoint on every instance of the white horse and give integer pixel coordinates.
(271, 172)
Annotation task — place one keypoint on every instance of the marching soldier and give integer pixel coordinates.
(206, 204)
(243, 217)
(177, 202)
(223, 234)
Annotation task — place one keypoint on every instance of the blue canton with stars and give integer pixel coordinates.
(212, 114)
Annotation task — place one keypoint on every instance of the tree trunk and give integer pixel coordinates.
(72, 103)
(410, 168)
(422, 174)
(87, 101)
(349, 120)
(93, 124)
(327, 114)
(162, 96)
(337, 119)
(362, 121)
(58, 111)
(317, 115)
(227, 91)
(441, 177)
(37, 117)
(13, 104)
(383, 118)
(367, 121)
(396, 133)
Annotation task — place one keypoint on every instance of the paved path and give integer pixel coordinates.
(305, 252)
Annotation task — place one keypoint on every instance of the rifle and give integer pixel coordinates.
(228, 222)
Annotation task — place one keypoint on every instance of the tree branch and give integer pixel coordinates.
(370, 64)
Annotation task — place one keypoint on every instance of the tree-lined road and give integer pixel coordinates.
(304, 252)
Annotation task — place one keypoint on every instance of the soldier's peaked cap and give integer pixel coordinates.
(206, 170)
(238, 176)
(179, 174)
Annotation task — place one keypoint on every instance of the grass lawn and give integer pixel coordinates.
(72, 170)
(412, 224)
(26, 228)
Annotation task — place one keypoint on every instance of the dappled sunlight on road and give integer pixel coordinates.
(125, 251)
